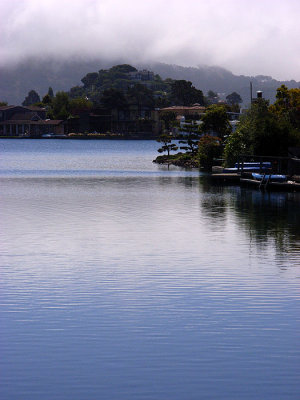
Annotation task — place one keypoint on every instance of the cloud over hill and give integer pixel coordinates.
(249, 37)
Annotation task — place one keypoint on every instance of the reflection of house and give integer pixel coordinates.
(27, 121)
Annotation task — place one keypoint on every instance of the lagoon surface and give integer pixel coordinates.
(123, 280)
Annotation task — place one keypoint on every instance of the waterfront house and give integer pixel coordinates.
(27, 121)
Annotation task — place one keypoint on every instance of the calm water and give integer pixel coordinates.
(123, 280)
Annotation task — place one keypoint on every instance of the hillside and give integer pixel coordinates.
(16, 82)
(223, 81)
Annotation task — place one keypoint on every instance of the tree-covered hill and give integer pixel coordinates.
(121, 89)
(16, 81)
(223, 81)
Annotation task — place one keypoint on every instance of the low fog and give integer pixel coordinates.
(246, 37)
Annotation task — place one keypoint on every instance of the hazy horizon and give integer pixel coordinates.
(257, 38)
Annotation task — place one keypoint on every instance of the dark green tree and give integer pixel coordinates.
(209, 148)
(190, 139)
(168, 117)
(80, 105)
(212, 97)
(60, 108)
(31, 98)
(262, 131)
(90, 79)
(190, 142)
(167, 144)
(287, 107)
(77, 91)
(185, 94)
(235, 147)
(216, 121)
(47, 100)
(50, 92)
(3, 103)
(234, 98)
(113, 98)
(123, 68)
(140, 95)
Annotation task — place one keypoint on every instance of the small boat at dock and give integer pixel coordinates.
(256, 174)
(270, 182)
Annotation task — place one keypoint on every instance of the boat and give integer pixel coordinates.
(249, 167)
(269, 177)
(270, 182)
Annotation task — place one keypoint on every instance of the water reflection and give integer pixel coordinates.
(264, 216)
(122, 280)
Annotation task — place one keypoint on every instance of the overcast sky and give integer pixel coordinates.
(248, 37)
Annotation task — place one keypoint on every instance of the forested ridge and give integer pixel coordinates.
(16, 81)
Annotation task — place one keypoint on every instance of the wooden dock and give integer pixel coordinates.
(288, 186)
(233, 178)
(245, 180)
(241, 173)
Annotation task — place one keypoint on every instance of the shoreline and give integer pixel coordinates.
(180, 160)
(79, 137)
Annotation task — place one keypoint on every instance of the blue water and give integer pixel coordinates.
(122, 279)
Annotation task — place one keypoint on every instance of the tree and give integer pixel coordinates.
(167, 146)
(262, 131)
(113, 98)
(50, 92)
(215, 121)
(167, 118)
(234, 98)
(80, 105)
(77, 91)
(141, 96)
(90, 79)
(47, 99)
(123, 68)
(31, 98)
(212, 97)
(209, 148)
(185, 94)
(60, 108)
(235, 147)
(190, 140)
(287, 107)
(3, 103)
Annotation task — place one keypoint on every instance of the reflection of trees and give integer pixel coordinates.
(270, 216)
(265, 216)
(215, 206)
(215, 199)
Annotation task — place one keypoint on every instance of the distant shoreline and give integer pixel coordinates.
(105, 137)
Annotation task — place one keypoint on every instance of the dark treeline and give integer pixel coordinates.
(121, 87)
